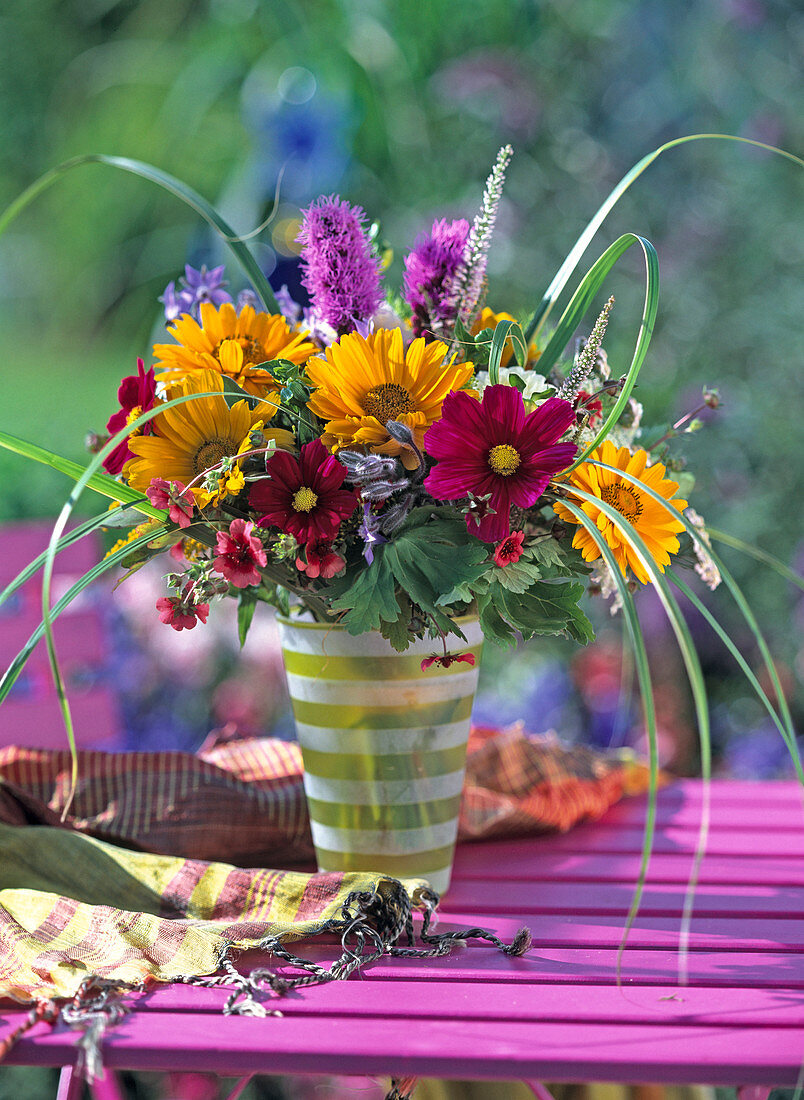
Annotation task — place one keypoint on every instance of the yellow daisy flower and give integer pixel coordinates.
(231, 343)
(364, 383)
(196, 436)
(654, 522)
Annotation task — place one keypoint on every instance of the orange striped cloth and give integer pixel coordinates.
(242, 801)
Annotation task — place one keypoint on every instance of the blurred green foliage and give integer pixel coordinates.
(401, 106)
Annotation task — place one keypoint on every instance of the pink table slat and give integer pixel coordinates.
(562, 1013)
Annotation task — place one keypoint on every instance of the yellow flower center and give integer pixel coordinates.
(624, 498)
(253, 350)
(386, 402)
(304, 500)
(211, 453)
(132, 416)
(504, 459)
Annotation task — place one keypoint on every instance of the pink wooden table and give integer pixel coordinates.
(557, 1014)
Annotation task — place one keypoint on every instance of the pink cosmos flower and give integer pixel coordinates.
(239, 552)
(181, 612)
(494, 448)
(137, 394)
(172, 496)
(510, 549)
(447, 659)
(303, 496)
(322, 561)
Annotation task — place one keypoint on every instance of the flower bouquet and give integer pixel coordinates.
(402, 475)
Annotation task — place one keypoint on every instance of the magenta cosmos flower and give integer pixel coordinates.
(493, 448)
(303, 496)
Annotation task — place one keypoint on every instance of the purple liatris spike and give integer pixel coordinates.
(429, 271)
(339, 269)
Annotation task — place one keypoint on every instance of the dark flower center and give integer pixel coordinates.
(386, 402)
(624, 498)
(211, 453)
(504, 459)
(304, 500)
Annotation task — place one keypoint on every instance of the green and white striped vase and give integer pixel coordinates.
(384, 747)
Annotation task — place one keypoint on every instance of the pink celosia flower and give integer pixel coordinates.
(173, 496)
(429, 270)
(447, 659)
(510, 549)
(494, 448)
(181, 612)
(239, 552)
(322, 561)
(303, 496)
(338, 267)
(137, 394)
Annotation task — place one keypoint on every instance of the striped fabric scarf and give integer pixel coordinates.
(131, 888)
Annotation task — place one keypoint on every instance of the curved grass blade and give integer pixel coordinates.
(696, 682)
(737, 595)
(563, 274)
(187, 195)
(649, 709)
(759, 555)
(746, 669)
(15, 668)
(579, 304)
(101, 483)
(501, 333)
(33, 567)
(85, 478)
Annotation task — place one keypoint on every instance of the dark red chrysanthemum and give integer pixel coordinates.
(137, 394)
(239, 552)
(303, 496)
(495, 448)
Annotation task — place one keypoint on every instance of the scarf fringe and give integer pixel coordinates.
(370, 924)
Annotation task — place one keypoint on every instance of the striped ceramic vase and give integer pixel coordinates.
(384, 747)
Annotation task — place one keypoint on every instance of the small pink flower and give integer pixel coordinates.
(510, 549)
(447, 659)
(173, 496)
(239, 553)
(181, 612)
(322, 561)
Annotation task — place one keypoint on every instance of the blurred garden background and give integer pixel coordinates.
(401, 107)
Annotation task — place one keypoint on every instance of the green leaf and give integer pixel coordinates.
(246, 606)
(464, 592)
(547, 551)
(429, 561)
(516, 577)
(493, 625)
(369, 599)
(546, 609)
(396, 632)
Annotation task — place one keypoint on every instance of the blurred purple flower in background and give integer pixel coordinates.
(197, 286)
